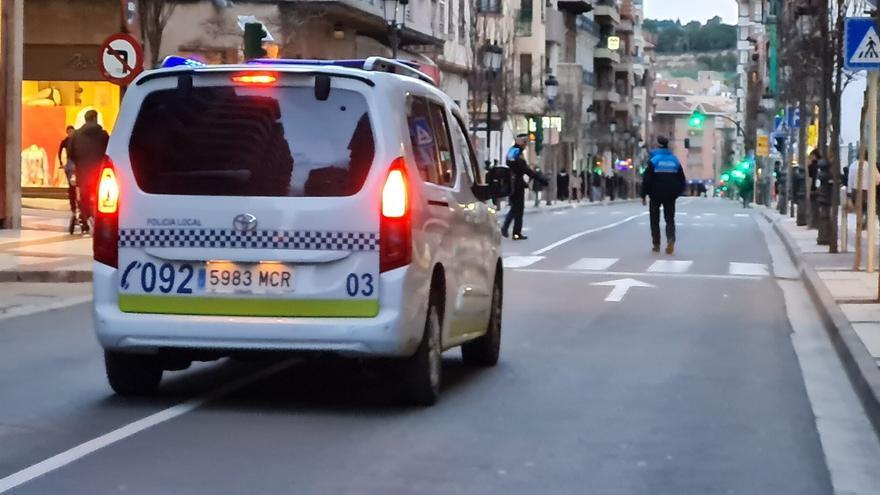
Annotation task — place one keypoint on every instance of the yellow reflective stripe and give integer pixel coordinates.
(211, 306)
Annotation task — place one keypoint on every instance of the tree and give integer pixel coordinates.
(154, 16)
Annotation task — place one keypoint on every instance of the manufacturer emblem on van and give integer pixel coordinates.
(244, 222)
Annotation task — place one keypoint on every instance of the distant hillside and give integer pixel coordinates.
(673, 37)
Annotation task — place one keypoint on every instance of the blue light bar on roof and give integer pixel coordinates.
(357, 63)
(178, 61)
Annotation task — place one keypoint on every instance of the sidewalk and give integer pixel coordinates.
(43, 251)
(848, 302)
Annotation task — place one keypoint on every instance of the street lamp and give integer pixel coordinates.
(493, 56)
(395, 27)
(551, 89)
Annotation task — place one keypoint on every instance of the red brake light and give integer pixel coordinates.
(255, 78)
(394, 195)
(108, 191)
(395, 236)
(105, 242)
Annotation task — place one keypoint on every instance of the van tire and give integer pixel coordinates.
(485, 350)
(422, 373)
(132, 374)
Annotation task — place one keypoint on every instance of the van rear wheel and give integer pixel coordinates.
(132, 374)
(422, 372)
(485, 350)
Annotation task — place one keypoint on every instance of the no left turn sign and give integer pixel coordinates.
(121, 59)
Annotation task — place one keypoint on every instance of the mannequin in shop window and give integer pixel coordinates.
(34, 167)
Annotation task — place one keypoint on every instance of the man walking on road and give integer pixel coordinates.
(519, 168)
(664, 181)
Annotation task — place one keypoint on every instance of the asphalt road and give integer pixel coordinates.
(688, 386)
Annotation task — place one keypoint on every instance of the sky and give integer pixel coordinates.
(691, 10)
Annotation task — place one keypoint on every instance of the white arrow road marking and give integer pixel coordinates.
(758, 269)
(520, 261)
(621, 287)
(670, 266)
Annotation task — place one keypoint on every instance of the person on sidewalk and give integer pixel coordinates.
(87, 147)
(519, 168)
(663, 182)
(747, 190)
(537, 186)
(563, 183)
(852, 185)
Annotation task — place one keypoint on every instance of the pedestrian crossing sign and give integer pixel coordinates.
(862, 44)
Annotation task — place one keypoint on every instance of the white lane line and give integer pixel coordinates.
(758, 269)
(638, 274)
(670, 266)
(520, 261)
(709, 214)
(561, 212)
(586, 232)
(741, 215)
(60, 460)
(616, 212)
(731, 225)
(593, 264)
(682, 213)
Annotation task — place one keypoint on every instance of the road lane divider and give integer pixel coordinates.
(82, 450)
(578, 235)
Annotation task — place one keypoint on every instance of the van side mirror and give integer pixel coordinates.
(498, 184)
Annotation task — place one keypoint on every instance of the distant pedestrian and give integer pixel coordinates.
(519, 168)
(66, 164)
(563, 182)
(852, 185)
(597, 186)
(747, 190)
(538, 186)
(663, 182)
(87, 148)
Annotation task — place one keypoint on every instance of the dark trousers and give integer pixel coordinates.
(515, 214)
(668, 205)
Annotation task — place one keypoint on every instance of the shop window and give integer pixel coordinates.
(48, 107)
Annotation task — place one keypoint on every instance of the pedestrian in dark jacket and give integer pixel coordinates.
(563, 183)
(519, 168)
(538, 186)
(664, 182)
(87, 148)
(67, 165)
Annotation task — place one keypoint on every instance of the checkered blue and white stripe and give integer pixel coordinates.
(258, 239)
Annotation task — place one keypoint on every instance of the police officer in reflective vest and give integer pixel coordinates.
(519, 169)
(664, 182)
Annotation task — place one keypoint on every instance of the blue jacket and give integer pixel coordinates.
(664, 177)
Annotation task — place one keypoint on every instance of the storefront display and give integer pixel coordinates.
(48, 107)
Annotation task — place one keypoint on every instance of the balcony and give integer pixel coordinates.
(625, 26)
(575, 6)
(623, 106)
(555, 26)
(588, 26)
(523, 26)
(602, 53)
(606, 11)
(608, 95)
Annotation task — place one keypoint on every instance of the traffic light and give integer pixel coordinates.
(697, 119)
(539, 135)
(725, 177)
(687, 143)
(253, 40)
(779, 144)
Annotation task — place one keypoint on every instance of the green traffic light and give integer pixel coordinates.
(725, 177)
(697, 119)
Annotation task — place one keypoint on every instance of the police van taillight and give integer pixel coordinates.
(395, 230)
(106, 235)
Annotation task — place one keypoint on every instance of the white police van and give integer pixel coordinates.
(296, 206)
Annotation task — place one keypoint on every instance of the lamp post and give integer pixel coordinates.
(394, 27)
(551, 91)
(493, 55)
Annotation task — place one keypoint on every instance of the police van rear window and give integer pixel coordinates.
(250, 141)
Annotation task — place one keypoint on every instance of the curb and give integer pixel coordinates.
(46, 276)
(571, 206)
(860, 366)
